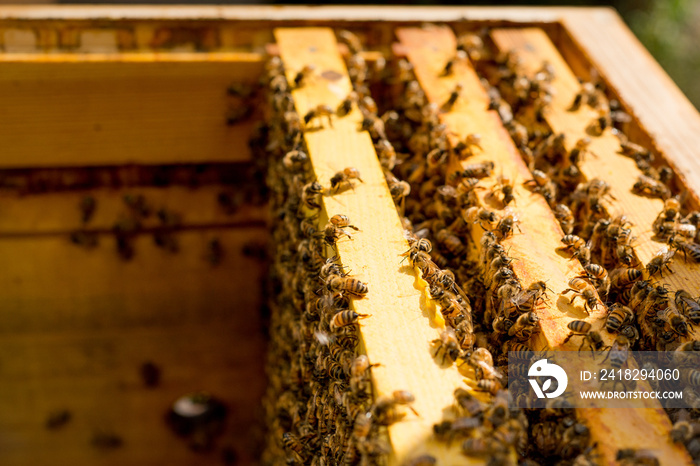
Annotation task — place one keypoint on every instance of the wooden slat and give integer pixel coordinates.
(59, 213)
(84, 113)
(534, 46)
(78, 324)
(399, 331)
(534, 248)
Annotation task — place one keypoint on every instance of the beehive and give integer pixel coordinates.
(109, 102)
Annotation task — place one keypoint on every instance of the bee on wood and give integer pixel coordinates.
(448, 70)
(106, 440)
(332, 233)
(87, 206)
(345, 318)
(345, 106)
(585, 330)
(633, 457)
(465, 149)
(342, 179)
(138, 205)
(387, 155)
(542, 184)
(318, 112)
(650, 187)
(525, 301)
(674, 320)
(624, 276)
(481, 360)
(349, 285)
(661, 259)
(618, 315)
(446, 348)
(524, 326)
(478, 170)
(578, 152)
(311, 195)
(384, 408)
(505, 187)
(583, 289)
(84, 238)
(452, 99)
(399, 190)
(487, 219)
(58, 419)
(619, 352)
(688, 306)
(215, 252)
(689, 248)
(578, 247)
(505, 226)
(599, 276)
(303, 75)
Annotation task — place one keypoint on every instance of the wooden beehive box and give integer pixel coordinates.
(109, 101)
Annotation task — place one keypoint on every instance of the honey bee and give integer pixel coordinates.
(478, 170)
(311, 195)
(619, 352)
(345, 318)
(87, 206)
(384, 408)
(331, 234)
(318, 112)
(399, 191)
(482, 216)
(599, 276)
(505, 226)
(542, 184)
(618, 315)
(687, 306)
(349, 285)
(450, 243)
(580, 148)
(576, 245)
(343, 179)
(362, 425)
(674, 320)
(683, 431)
(491, 386)
(650, 187)
(295, 161)
(454, 95)
(660, 260)
(505, 187)
(342, 221)
(624, 276)
(294, 447)
(524, 326)
(448, 70)
(481, 360)
(633, 457)
(583, 289)
(303, 75)
(688, 248)
(446, 348)
(465, 149)
(345, 106)
(590, 337)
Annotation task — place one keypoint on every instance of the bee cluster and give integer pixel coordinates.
(319, 405)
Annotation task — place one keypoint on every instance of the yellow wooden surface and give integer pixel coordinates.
(78, 324)
(399, 332)
(619, 171)
(59, 213)
(84, 113)
(534, 46)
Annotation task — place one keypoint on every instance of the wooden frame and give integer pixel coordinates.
(184, 40)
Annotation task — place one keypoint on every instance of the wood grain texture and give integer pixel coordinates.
(398, 333)
(78, 324)
(85, 112)
(652, 98)
(534, 247)
(59, 213)
(605, 163)
(533, 46)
